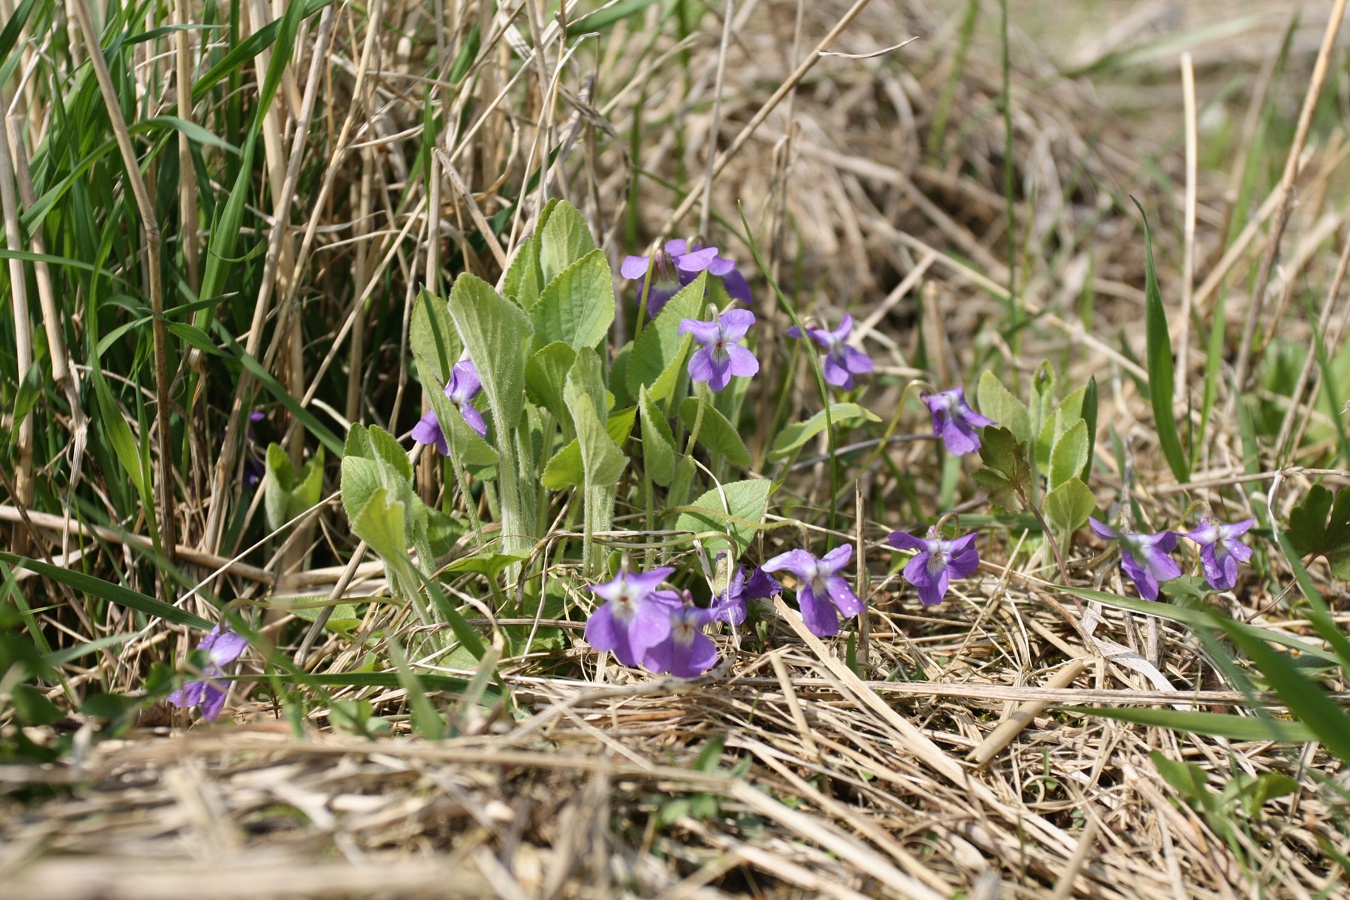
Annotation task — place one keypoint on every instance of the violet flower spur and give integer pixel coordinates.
(823, 593)
(937, 562)
(670, 267)
(842, 361)
(463, 387)
(687, 652)
(635, 617)
(954, 421)
(720, 357)
(1144, 557)
(223, 647)
(1220, 550)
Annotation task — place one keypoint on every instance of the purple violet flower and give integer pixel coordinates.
(670, 267)
(842, 361)
(686, 652)
(954, 421)
(463, 387)
(636, 616)
(737, 287)
(937, 562)
(822, 589)
(223, 647)
(1143, 557)
(720, 357)
(1220, 550)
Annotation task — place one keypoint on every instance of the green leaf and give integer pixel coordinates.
(1235, 728)
(587, 377)
(1321, 526)
(577, 307)
(524, 282)
(793, 437)
(1089, 412)
(1159, 346)
(106, 590)
(489, 564)
(342, 619)
(1306, 699)
(1069, 454)
(739, 515)
(1041, 411)
(379, 523)
(999, 404)
(1255, 793)
(497, 334)
(1068, 506)
(277, 486)
(545, 376)
(564, 239)
(658, 444)
(123, 442)
(607, 16)
(433, 340)
(1006, 474)
(602, 462)
(565, 469)
(31, 706)
(715, 433)
(1188, 779)
(659, 350)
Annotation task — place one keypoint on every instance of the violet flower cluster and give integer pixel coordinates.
(223, 647)
(463, 387)
(662, 630)
(1146, 557)
(676, 265)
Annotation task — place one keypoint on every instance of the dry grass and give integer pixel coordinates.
(828, 784)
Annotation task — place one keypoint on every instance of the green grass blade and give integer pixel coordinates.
(1160, 362)
(1235, 728)
(106, 590)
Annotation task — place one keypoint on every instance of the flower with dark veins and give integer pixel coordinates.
(635, 617)
(1220, 550)
(463, 387)
(721, 356)
(823, 594)
(937, 562)
(842, 361)
(1144, 557)
(954, 421)
(223, 647)
(686, 652)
